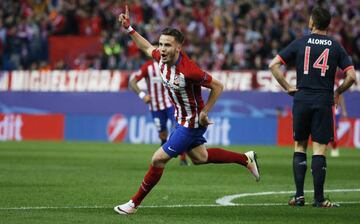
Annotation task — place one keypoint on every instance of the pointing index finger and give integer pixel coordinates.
(127, 11)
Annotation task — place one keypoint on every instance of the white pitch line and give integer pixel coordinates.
(54, 207)
(161, 206)
(235, 205)
(224, 201)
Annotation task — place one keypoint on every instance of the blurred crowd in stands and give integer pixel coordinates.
(220, 34)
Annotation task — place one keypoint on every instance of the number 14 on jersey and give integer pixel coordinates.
(320, 63)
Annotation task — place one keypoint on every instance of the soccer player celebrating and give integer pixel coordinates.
(317, 57)
(183, 79)
(158, 100)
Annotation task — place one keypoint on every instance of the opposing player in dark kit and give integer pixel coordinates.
(316, 58)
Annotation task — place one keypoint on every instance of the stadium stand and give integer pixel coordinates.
(225, 35)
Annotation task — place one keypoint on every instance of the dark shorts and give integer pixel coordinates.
(313, 119)
(161, 117)
(183, 139)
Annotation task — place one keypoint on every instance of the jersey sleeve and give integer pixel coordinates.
(142, 73)
(344, 60)
(156, 55)
(289, 53)
(198, 76)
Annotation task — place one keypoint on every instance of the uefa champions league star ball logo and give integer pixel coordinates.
(117, 128)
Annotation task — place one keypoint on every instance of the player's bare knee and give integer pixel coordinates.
(198, 161)
(158, 161)
(160, 158)
(301, 146)
(319, 149)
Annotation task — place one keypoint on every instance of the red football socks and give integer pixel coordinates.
(182, 156)
(217, 155)
(151, 178)
(333, 144)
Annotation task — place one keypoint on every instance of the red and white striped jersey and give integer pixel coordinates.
(183, 81)
(158, 93)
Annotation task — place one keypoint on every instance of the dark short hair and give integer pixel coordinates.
(179, 37)
(321, 18)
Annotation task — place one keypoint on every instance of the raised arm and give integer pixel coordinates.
(139, 40)
(279, 76)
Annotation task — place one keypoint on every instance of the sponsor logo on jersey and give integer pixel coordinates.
(177, 80)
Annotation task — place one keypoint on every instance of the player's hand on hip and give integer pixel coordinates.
(124, 19)
(147, 99)
(291, 91)
(204, 119)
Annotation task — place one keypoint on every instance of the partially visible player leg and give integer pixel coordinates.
(160, 119)
(318, 168)
(179, 141)
(219, 155)
(301, 128)
(200, 155)
(159, 160)
(183, 161)
(299, 172)
(152, 177)
(163, 136)
(334, 152)
(322, 133)
(169, 115)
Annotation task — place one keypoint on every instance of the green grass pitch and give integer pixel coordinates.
(68, 182)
